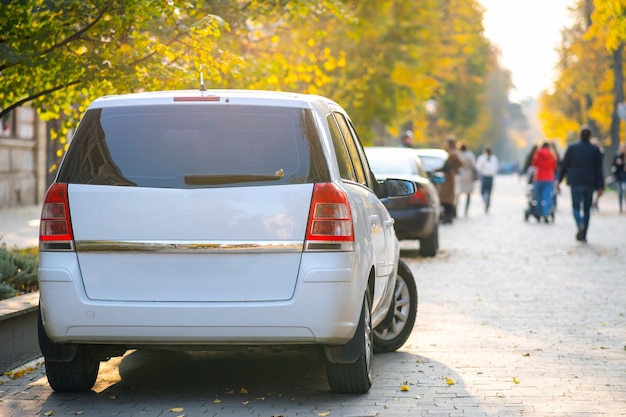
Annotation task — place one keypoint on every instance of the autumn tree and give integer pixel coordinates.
(609, 24)
(590, 83)
(380, 60)
(60, 55)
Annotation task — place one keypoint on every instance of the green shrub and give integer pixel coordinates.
(6, 291)
(18, 271)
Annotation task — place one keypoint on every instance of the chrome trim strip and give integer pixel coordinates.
(181, 246)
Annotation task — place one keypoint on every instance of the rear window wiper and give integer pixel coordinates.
(202, 179)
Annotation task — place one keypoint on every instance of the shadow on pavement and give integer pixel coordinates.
(222, 373)
(272, 384)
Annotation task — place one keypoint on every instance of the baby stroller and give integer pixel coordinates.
(533, 208)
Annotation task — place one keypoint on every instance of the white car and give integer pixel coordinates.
(223, 218)
(433, 159)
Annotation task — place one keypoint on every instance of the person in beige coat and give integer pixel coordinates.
(447, 190)
(466, 176)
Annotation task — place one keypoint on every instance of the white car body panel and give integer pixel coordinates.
(244, 215)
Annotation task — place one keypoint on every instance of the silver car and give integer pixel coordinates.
(219, 219)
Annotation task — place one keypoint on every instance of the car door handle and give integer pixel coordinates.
(374, 221)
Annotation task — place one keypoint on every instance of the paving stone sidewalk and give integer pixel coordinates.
(19, 226)
(516, 318)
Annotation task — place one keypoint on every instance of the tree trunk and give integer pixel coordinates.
(618, 94)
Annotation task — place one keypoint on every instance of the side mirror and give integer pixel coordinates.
(437, 178)
(396, 188)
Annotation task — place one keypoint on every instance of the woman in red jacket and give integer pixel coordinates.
(544, 162)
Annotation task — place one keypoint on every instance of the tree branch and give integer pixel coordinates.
(79, 33)
(25, 100)
(72, 37)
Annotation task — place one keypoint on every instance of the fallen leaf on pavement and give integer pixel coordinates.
(404, 388)
(176, 410)
(48, 413)
(217, 401)
(243, 391)
(324, 414)
(450, 381)
(515, 380)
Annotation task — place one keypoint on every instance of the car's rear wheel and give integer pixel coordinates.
(356, 378)
(428, 246)
(77, 375)
(391, 334)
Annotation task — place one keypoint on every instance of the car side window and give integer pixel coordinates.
(346, 169)
(350, 138)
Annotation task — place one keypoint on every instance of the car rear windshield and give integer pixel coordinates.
(190, 146)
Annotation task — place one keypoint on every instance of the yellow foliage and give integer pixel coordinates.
(125, 48)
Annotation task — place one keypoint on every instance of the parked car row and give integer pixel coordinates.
(416, 216)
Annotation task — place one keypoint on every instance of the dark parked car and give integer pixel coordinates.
(415, 216)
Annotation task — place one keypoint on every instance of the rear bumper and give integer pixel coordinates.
(417, 223)
(324, 309)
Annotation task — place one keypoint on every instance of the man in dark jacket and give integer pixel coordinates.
(582, 165)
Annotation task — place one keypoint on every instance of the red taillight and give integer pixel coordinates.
(55, 222)
(330, 219)
(419, 198)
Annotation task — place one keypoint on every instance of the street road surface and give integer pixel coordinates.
(515, 319)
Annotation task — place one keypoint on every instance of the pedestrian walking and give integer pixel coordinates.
(528, 170)
(544, 162)
(466, 176)
(447, 190)
(619, 175)
(407, 139)
(582, 166)
(487, 167)
(596, 196)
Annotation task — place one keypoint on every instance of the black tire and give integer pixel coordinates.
(428, 246)
(356, 378)
(77, 375)
(392, 334)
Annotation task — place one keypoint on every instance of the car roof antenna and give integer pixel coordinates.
(202, 87)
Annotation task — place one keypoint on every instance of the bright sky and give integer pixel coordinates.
(527, 33)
